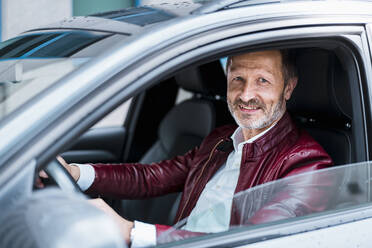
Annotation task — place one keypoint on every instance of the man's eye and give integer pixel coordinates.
(238, 78)
(262, 80)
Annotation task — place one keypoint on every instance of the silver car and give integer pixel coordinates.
(148, 83)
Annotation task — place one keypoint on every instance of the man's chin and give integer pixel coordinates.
(251, 118)
(254, 122)
(257, 124)
(252, 126)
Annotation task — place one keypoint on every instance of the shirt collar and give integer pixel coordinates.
(238, 137)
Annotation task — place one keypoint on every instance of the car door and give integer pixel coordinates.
(102, 143)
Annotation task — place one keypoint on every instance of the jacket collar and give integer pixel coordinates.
(271, 139)
(238, 137)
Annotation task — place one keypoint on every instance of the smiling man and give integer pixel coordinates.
(265, 146)
(259, 84)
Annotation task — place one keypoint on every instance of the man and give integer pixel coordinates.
(266, 146)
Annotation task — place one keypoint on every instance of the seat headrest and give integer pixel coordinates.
(322, 89)
(208, 79)
(191, 121)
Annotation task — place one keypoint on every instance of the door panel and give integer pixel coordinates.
(98, 145)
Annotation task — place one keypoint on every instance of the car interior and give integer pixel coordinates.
(326, 102)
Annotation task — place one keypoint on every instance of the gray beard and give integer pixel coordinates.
(266, 121)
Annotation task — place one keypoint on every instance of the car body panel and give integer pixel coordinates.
(355, 234)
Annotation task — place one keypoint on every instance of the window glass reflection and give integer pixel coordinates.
(323, 191)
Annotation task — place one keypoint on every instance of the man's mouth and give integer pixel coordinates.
(248, 108)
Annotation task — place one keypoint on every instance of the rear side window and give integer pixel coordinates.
(48, 45)
(141, 16)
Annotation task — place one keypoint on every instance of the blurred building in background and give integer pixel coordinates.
(87, 7)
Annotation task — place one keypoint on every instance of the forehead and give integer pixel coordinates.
(270, 61)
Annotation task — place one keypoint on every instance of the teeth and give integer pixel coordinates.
(249, 107)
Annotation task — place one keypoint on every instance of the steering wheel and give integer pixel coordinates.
(61, 176)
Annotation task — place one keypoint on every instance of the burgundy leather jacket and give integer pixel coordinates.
(283, 151)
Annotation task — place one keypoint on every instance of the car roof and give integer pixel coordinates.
(127, 21)
(134, 20)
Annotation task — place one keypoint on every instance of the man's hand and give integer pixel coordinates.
(124, 225)
(73, 170)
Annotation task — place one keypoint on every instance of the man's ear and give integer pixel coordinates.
(291, 85)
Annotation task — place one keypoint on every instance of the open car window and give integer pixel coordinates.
(320, 192)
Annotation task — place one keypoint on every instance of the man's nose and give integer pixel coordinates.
(249, 91)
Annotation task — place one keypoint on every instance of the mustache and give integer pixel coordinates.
(251, 103)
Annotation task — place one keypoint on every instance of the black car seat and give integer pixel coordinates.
(182, 129)
(321, 103)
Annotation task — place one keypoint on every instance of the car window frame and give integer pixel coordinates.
(368, 65)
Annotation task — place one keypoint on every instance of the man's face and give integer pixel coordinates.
(256, 94)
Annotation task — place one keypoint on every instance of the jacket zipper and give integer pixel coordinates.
(197, 180)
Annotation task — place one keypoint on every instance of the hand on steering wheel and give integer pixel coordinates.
(62, 173)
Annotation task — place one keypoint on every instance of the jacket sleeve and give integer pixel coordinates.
(299, 195)
(134, 180)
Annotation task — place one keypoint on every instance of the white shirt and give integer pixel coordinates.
(213, 208)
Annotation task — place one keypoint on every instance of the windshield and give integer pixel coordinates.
(319, 192)
(32, 62)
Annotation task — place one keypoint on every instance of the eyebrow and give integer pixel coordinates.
(237, 66)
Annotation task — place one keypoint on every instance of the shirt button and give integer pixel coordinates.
(218, 187)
